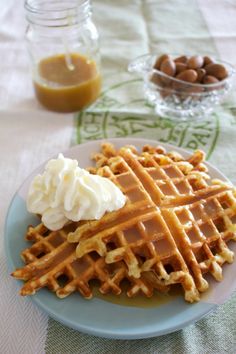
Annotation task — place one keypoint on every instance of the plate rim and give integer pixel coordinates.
(111, 334)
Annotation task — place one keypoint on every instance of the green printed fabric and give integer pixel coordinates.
(188, 135)
(129, 29)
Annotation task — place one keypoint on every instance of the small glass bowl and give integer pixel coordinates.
(179, 99)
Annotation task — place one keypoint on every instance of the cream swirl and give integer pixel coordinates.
(67, 192)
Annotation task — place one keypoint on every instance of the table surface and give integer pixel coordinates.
(29, 135)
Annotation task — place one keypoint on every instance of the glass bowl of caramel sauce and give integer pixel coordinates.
(183, 87)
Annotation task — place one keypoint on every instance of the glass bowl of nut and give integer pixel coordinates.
(183, 86)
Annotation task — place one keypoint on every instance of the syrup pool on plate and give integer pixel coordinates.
(140, 300)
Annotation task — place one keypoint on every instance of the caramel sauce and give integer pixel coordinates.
(135, 195)
(183, 217)
(80, 266)
(182, 188)
(140, 300)
(193, 235)
(207, 229)
(210, 207)
(163, 246)
(166, 189)
(64, 88)
(132, 235)
(156, 174)
(153, 226)
(190, 199)
(126, 179)
(172, 172)
(197, 212)
(66, 251)
(116, 220)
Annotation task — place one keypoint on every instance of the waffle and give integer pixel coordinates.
(175, 220)
(51, 262)
(173, 229)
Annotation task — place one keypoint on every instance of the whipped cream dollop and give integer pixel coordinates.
(67, 192)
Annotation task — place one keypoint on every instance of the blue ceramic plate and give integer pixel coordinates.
(96, 316)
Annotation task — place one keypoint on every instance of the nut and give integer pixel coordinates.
(217, 70)
(180, 67)
(195, 62)
(207, 60)
(183, 59)
(200, 75)
(157, 79)
(188, 75)
(196, 69)
(208, 79)
(168, 67)
(159, 60)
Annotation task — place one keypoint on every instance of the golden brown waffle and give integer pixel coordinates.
(172, 230)
(159, 222)
(51, 262)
